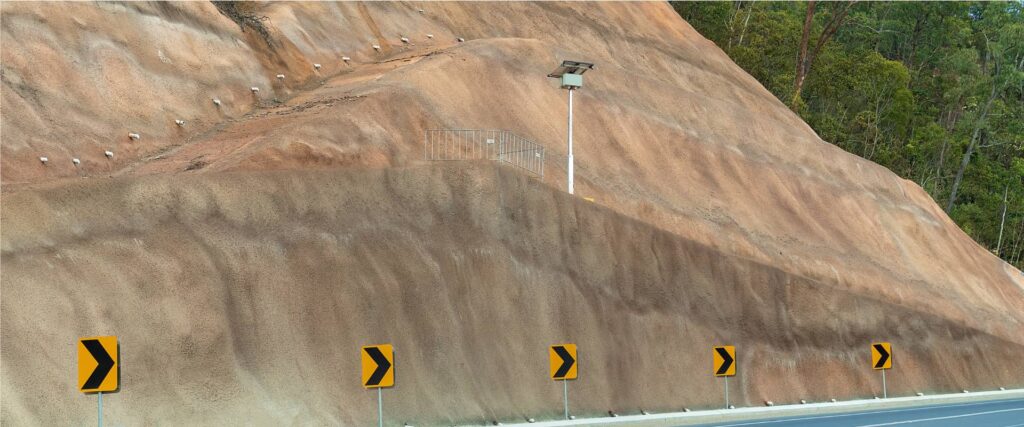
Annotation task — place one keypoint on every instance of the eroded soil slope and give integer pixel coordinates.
(251, 305)
(270, 236)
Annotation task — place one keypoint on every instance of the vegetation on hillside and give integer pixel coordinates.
(933, 91)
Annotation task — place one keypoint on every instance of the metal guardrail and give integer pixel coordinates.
(476, 144)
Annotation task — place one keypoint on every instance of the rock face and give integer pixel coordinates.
(243, 258)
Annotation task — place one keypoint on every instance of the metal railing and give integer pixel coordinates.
(475, 144)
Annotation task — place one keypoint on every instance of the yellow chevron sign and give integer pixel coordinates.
(881, 355)
(97, 364)
(378, 366)
(723, 361)
(563, 362)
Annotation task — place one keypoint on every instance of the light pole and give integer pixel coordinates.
(570, 75)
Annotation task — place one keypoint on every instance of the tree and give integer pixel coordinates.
(805, 60)
(934, 91)
(1005, 59)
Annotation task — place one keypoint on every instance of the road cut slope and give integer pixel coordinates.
(233, 306)
(833, 250)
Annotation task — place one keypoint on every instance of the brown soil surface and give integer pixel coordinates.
(243, 258)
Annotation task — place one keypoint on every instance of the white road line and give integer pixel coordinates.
(854, 414)
(942, 418)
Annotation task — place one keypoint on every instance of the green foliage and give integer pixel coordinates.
(913, 86)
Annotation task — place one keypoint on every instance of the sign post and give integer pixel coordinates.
(565, 397)
(378, 372)
(564, 368)
(98, 368)
(881, 359)
(723, 364)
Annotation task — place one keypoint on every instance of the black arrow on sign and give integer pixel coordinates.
(383, 365)
(103, 364)
(726, 360)
(567, 361)
(885, 356)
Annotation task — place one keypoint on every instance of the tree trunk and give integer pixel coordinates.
(801, 60)
(1015, 252)
(750, 10)
(1002, 222)
(909, 58)
(732, 20)
(806, 59)
(970, 148)
(940, 163)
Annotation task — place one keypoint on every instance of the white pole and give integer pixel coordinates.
(380, 409)
(570, 142)
(565, 390)
(726, 392)
(885, 393)
(99, 410)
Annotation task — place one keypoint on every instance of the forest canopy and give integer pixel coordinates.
(934, 91)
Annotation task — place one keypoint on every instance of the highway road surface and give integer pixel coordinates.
(995, 413)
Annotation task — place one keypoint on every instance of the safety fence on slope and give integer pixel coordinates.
(476, 144)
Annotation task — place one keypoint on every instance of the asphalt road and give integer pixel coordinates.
(996, 413)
